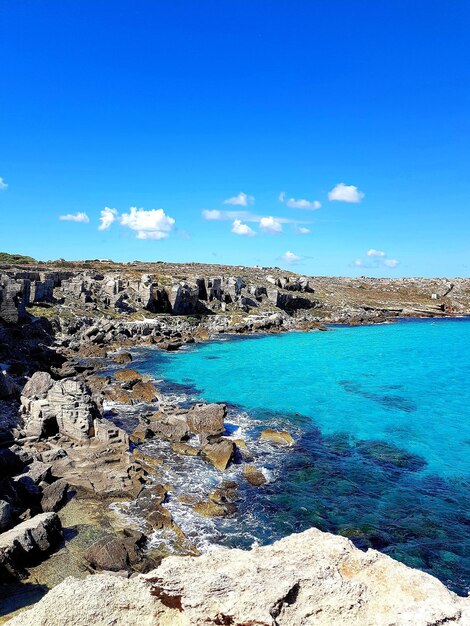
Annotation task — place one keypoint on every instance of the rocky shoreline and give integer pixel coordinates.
(66, 340)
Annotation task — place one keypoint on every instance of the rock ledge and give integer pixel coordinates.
(312, 578)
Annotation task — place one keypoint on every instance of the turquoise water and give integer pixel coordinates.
(382, 420)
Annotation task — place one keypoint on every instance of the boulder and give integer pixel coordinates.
(117, 552)
(129, 377)
(207, 419)
(37, 386)
(254, 476)
(220, 453)
(54, 495)
(210, 509)
(169, 427)
(38, 472)
(123, 358)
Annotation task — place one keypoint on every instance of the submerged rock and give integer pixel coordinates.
(277, 436)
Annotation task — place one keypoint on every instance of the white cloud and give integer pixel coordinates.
(307, 205)
(345, 193)
(359, 263)
(391, 262)
(302, 230)
(290, 257)
(152, 224)
(3, 184)
(242, 229)
(375, 253)
(270, 224)
(107, 217)
(241, 200)
(213, 214)
(75, 217)
(282, 196)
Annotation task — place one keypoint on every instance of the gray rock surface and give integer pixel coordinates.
(22, 545)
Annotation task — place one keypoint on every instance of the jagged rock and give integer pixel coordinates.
(219, 453)
(54, 495)
(38, 472)
(159, 517)
(207, 419)
(309, 579)
(22, 545)
(277, 436)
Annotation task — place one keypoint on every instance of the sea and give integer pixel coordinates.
(380, 415)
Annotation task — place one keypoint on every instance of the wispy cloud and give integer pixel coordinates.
(307, 205)
(3, 184)
(302, 230)
(107, 217)
(270, 224)
(282, 196)
(378, 258)
(242, 199)
(345, 193)
(290, 257)
(242, 229)
(151, 224)
(75, 217)
(375, 253)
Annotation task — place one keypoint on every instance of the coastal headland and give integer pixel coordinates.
(68, 334)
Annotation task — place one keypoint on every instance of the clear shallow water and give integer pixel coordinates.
(382, 420)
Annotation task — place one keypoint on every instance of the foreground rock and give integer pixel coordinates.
(312, 578)
(26, 543)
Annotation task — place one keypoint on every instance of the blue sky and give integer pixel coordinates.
(164, 111)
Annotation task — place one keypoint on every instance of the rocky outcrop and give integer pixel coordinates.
(312, 578)
(63, 406)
